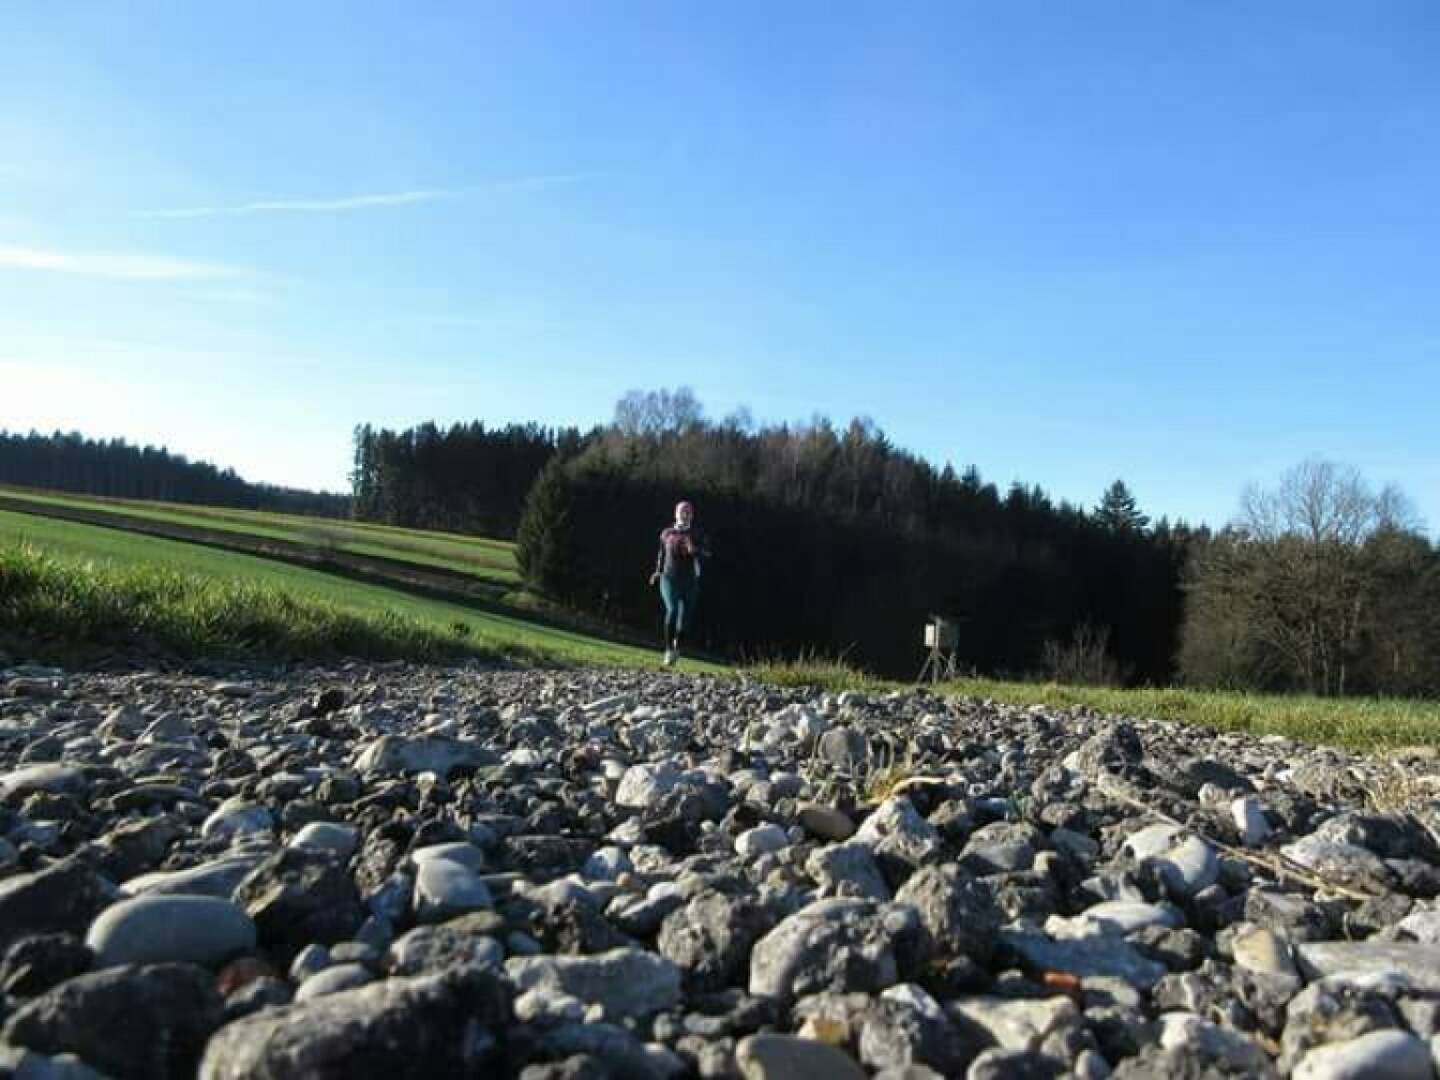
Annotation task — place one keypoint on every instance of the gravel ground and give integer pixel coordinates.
(407, 871)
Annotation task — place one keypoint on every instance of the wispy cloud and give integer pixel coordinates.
(377, 201)
(250, 297)
(122, 266)
(305, 206)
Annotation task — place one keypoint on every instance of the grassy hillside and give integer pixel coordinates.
(73, 587)
(70, 584)
(481, 557)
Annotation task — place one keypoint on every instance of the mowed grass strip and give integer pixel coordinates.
(1386, 724)
(95, 586)
(1367, 724)
(481, 557)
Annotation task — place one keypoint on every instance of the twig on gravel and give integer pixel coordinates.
(1277, 864)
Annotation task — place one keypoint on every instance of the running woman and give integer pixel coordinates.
(677, 569)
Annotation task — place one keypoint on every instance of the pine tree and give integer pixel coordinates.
(1117, 512)
(543, 533)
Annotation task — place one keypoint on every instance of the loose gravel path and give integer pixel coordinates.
(401, 871)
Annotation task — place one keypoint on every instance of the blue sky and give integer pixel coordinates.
(1184, 244)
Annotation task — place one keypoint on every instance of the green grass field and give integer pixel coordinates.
(1362, 723)
(66, 585)
(176, 592)
(480, 557)
(1358, 723)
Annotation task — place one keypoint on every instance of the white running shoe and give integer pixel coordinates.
(670, 657)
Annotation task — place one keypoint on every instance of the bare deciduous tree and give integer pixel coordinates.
(1288, 594)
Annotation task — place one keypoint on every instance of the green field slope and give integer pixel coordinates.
(88, 584)
(480, 557)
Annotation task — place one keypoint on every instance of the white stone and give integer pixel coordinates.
(412, 755)
(1186, 863)
(1152, 840)
(235, 817)
(1322, 958)
(218, 877)
(625, 982)
(444, 889)
(49, 777)
(916, 997)
(1249, 818)
(1112, 917)
(328, 836)
(549, 1006)
(202, 930)
(1233, 1050)
(457, 851)
(760, 840)
(1423, 926)
(1017, 1024)
(645, 785)
(1391, 1055)
(332, 980)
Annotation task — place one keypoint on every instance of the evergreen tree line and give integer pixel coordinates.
(834, 540)
(68, 461)
(464, 479)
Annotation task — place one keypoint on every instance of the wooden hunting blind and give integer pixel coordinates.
(942, 638)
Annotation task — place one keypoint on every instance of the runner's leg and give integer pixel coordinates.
(667, 596)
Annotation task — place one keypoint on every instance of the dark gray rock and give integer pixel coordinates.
(34, 964)
(301, 895)
(957, 912)
(142, 1022)
(430, 949)
(264, 992)
(1290, 915)
(621, 1052)
(430, 1026)
(907, 1027)
(565, 920)
(849, 870)
(839, 945)
(711, 937)
(997, 1064)
(784, 1057)
(826, 822)
(1001, 847)
(63, 898)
